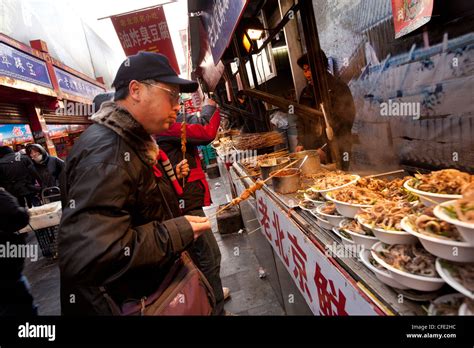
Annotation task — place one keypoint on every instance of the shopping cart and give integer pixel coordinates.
(47, 235)
(50, 194)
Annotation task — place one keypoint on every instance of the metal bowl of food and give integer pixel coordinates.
(269, 165)
(312, 163)
(286, 180)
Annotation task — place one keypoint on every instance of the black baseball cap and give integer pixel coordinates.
(151, 66)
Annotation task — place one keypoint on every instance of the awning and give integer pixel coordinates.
(211, 28)
(202, 61)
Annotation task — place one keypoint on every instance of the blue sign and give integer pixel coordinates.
(10, 134)
(21, 66)
(220, 21)
(71, 84)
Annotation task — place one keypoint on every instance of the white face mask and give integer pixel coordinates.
(38, 158)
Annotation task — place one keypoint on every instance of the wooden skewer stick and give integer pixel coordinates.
(279, 170)
(428, 199)
(271, 176)
(386, 173)
(247, 176)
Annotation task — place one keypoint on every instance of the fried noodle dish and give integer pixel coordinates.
(386, 215)
(463, 209)
(426, 223)
(355, 227)
(356, 195)
(331, 180)
(446, 181)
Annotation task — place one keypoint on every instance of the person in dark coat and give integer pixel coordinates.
(48, 167)
(200, 130)
(114, 241)
(18, 176)
(196, 194)
(15, 298)
(311, 132)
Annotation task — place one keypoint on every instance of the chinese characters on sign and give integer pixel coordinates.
(145, 31)
(410, 15)
(323, 286)
(20, 66)
(331, 302)
(220, 21)
(71, 84)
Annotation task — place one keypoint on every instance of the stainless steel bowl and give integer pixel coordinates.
(270, 165)
(311, 165)
(287, 183)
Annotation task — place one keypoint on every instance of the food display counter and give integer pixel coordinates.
(339, 275)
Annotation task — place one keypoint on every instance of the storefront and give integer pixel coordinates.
(407, 117)
(42, 100)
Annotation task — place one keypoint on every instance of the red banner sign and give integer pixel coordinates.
(409, 15)
(145, 30)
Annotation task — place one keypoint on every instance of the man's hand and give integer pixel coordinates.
(299, 148)
(182, 169)
(322, 156)
(210, 102)
(199, 224)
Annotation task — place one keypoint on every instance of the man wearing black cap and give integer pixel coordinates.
(113, 242)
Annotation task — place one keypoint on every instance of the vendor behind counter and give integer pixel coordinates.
(311, 132)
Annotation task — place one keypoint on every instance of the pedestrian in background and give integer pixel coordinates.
(15, 297)
(18, 176)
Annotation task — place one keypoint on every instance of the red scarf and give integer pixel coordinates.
(165, 162)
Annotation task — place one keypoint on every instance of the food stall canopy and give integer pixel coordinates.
(202, 61)
(212, 24)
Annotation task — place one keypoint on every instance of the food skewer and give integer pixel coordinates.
(183, 139)
(252, 189)
(247, 176)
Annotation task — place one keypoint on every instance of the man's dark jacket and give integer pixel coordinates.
(12, 218)
(49, 169)
(311, 132)
(111, 233)
(18, 175)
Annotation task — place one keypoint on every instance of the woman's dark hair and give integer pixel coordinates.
(121, 93)
(100, 99)
(240, 94)
(303, 60)
(5, 150)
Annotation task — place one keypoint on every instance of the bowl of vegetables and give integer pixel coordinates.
(358, 233)
(439, 237)
(459, 213)
(439, 186)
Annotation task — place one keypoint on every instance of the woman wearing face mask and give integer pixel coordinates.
(48, 167)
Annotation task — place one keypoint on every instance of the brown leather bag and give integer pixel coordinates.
(184, 291)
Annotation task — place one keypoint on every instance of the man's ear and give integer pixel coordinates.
(135, 90)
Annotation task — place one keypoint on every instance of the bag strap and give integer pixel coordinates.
(186, 259)
(165, 203)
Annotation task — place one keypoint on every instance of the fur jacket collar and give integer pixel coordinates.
(121, 122)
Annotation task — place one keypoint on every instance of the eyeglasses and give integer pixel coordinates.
(174, 96)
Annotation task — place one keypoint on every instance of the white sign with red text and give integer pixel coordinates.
(326, 290)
